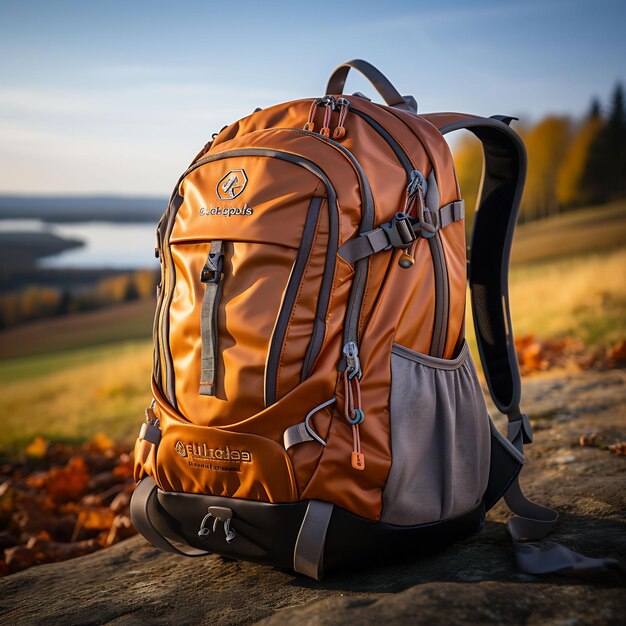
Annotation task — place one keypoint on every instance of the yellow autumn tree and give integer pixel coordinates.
(570, 184)
(468, 159)
(546, 144)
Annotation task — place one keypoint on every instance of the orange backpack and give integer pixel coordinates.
(315, 401)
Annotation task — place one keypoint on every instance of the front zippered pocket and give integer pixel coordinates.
(308, 279)
(289, 301)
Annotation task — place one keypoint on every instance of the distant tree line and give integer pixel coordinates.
(34, 301)
(570, 163)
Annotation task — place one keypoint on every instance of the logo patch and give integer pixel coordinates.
(231, 185)
(217, 459)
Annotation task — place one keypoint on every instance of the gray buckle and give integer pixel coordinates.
(212, 271)
(399, 231)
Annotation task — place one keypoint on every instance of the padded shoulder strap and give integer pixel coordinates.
(504, 173)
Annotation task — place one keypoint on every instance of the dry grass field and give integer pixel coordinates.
(68, 379)
(78, 398)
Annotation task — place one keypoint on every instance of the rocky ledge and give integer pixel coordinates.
(473, 582)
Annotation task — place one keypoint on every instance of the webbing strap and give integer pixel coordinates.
(308, 555)
(532, 523)
(148, 521)
(211, 276)
(377, 240)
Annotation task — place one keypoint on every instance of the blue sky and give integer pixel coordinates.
(117, 96)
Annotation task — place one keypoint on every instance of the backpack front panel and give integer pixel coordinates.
(279, 259)
(399, 306)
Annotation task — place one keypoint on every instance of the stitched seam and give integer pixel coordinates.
(427, 361)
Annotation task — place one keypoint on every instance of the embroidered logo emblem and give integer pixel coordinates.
(218, 459)
(231, 185)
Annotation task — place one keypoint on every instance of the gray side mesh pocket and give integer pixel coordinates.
(440, 438)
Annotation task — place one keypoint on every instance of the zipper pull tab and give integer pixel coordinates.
(150, 430)
(406, 261)
(353, 365)
(354, 415)
(357, 460)
(205, 529)
(310, 125)
(340, 130)
(417, 182)
(328, 102)
(229, 533)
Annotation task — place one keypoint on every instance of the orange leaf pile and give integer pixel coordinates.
(600, 439)
(63, 501)
(542, 354)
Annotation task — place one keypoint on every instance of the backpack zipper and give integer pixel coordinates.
(442, 296)
(289, 300)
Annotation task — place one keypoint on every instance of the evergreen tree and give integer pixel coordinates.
(616, 145)
(571, 185)
(605, 172)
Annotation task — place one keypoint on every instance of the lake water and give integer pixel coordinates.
(106, 244)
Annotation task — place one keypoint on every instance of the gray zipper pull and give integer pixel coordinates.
(417, 182)
(218, 514)
(353, 365)
(230, 534)
(204, 529)
(151, 428)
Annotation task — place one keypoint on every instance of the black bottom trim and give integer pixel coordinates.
(267, 533)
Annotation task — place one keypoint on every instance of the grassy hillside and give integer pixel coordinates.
(585, 231)
(122, 322)
(70, 378)
(74, 395)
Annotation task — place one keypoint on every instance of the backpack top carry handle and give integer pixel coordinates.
(381, 83)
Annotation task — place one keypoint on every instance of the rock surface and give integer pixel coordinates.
(473, 582)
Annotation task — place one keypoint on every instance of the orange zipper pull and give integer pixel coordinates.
(340, 130)
(310, 125)
(354, 416)
(325, 130)
(328, 102)
(358, 461)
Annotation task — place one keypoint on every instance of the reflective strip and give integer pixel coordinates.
(308, 555)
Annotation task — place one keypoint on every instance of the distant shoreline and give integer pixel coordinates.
(81, 209)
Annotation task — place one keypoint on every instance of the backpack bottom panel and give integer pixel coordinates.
(268, 533)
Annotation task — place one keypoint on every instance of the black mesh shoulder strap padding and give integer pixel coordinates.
(500, 193)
